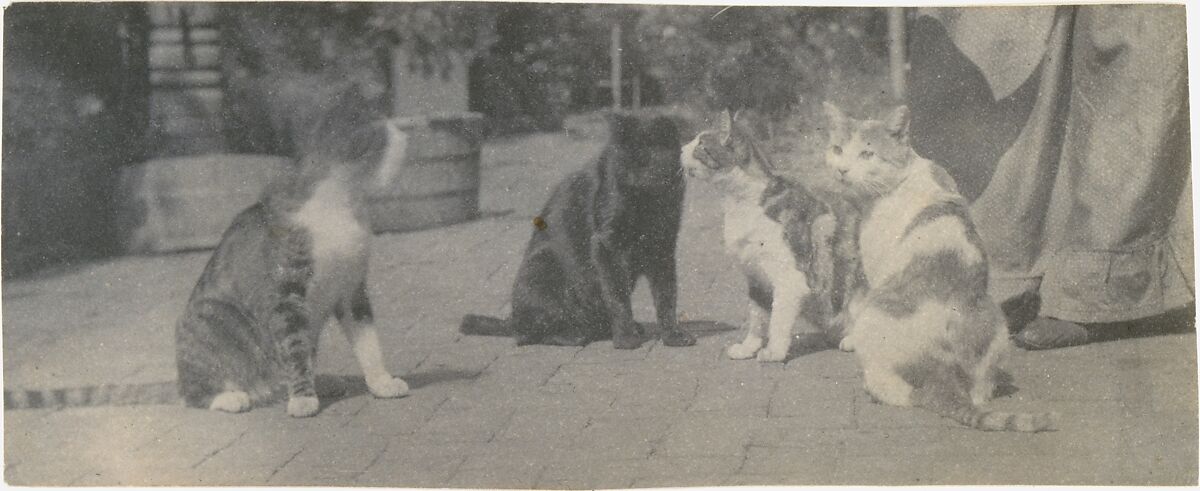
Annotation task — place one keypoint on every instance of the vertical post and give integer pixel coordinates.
(615, 56)
(637, 90)
(897, 47)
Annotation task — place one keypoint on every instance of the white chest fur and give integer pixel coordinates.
(755, 239)
(339, 242)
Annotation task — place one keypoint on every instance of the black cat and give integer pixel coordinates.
(604, 227)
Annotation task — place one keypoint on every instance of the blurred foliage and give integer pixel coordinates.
(314, 36)
(534, 62)
(775, 59)
(765, 58)
(284, 60)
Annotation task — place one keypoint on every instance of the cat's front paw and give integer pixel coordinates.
(302, 406)
(387, 387)
(847, 344)
(231, 402)
(742, 351)
(772, 353)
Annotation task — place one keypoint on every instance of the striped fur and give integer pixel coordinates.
(95, 395)
(925, 330)
(283, 268)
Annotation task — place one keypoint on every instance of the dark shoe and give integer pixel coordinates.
(1048, 333)
(1020, 310)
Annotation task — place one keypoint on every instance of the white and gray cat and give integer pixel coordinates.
(782, 236)
(924, 328)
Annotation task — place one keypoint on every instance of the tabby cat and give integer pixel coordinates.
(782, 235)
(603, 227)
(282, 269)
(924, 329)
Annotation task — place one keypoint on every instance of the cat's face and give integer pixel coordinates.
(648, 155)
(716, 153)
(868, 156)
(378, 154)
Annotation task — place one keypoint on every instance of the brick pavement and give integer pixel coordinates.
(485, 413)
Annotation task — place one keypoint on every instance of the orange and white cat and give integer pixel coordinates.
(924, 328)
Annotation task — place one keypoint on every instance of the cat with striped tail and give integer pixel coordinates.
(924, 329)
(289, 263)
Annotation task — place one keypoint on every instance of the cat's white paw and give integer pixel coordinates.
(982, 392)
(773, 353)
(847, 344)
(303, 407)
(742, 351)
(231, 402)
(387, 387)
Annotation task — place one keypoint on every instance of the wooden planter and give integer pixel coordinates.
(438, 183)
(186, 203)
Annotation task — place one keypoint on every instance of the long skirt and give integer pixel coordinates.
(1068, 129)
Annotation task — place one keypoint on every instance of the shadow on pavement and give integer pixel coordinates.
(334, 388)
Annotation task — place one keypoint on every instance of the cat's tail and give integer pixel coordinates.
(480, 325)
(950, 401)
(94, 395)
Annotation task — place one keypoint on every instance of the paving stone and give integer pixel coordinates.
(649, 397)
(476, 425)
(704, 354)
(186, 446)
(520, 371)
(595, 474)
(468, 362)
(495, 478)
(620, 437)
(540, 425)
(396, 416)
(49, 472)
(411, 463)
(795, 432)
(726, 370)
(526, 456)
(557, 355)
(101, 441)
(710, 469)
(830, 363)
(819, 412)
(792, 466)
(750, 398)
(333, 459)
(143, 474)
(709, 434)
(869, 414)
(254, 457)
(558, 398)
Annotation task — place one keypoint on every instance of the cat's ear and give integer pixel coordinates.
(726, 127)
(836, 118)
(897, 123)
